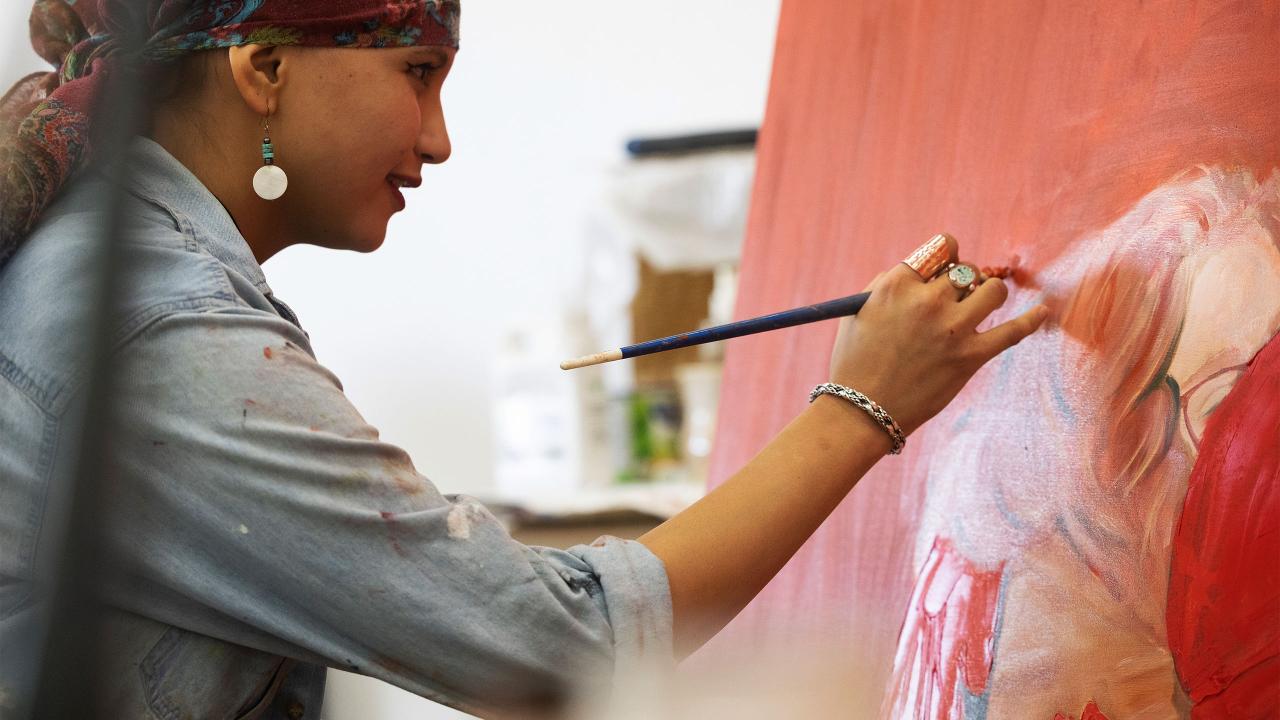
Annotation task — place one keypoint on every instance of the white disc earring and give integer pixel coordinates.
(269, 182)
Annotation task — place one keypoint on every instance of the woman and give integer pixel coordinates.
(258, 529)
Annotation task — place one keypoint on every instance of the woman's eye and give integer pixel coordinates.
(423, 70)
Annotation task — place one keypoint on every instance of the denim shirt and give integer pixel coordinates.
(259, 529)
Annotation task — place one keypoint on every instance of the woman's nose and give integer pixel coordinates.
(433, 142)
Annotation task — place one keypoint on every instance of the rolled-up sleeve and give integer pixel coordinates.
(254, 504)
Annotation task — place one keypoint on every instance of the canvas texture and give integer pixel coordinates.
(1089, 529)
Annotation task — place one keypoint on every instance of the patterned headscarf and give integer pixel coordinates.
(46, 119)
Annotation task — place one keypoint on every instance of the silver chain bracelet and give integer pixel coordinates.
(869, 406)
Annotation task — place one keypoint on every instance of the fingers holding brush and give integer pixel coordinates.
(925, 289)
(915, 344)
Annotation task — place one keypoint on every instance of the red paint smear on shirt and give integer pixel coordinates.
(390, 517)
(266, 352)
(1224, 588)
(948, 634)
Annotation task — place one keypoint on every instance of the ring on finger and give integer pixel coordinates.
(930, 258)
(964, 277)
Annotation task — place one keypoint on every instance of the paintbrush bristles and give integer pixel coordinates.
(586, 360)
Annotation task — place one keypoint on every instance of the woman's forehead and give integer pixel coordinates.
(440, 53)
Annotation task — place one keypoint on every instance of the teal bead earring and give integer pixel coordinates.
(269, 182)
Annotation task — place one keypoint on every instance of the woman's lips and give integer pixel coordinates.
(399, 196)
(397, 182)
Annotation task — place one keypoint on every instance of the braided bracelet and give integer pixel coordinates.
(871, 408)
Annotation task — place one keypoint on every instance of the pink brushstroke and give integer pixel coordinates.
(947, 637)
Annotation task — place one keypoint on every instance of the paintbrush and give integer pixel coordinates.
(828, 310)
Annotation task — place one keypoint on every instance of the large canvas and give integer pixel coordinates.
(1092, 529)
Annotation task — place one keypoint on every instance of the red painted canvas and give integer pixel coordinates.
(1092, 529)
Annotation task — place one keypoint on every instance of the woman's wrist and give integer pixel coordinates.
(850, 423)
(867, 405)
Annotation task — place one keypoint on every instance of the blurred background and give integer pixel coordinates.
(543, 238)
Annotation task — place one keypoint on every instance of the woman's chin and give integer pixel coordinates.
(365, 241)
(370, 243)
(368, 236)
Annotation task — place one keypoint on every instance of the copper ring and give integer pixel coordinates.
(930, 258)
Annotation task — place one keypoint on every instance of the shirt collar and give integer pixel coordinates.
(159, 177)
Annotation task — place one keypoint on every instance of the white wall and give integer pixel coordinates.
(540, 101)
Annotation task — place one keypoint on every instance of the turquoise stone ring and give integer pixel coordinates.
(963, 276)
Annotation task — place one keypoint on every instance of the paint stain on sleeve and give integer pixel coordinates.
(408, 483)
(460, 518)
(266, 352)
(399, 470)
(244, 413)
(393, 532)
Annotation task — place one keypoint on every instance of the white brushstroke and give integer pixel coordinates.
(460, 521)
(243, 529)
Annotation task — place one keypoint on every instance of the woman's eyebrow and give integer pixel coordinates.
(432, 53)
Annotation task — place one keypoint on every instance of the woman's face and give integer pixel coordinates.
(350, 126)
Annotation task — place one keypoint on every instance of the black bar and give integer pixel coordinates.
(71, 679)
(681, 144)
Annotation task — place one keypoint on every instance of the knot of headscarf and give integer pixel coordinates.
(46, 119)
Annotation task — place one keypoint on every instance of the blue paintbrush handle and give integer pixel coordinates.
(787, 318)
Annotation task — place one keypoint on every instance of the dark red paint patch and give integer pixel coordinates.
(1224, 584)
(266, 352)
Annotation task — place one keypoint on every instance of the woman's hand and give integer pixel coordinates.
(915, 343)
(911, 349)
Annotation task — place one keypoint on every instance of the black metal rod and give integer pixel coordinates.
(71, 669)
(701, 142)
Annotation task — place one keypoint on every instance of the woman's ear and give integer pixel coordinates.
(258, 72)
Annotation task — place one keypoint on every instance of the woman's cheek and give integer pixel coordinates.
(403, 125)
